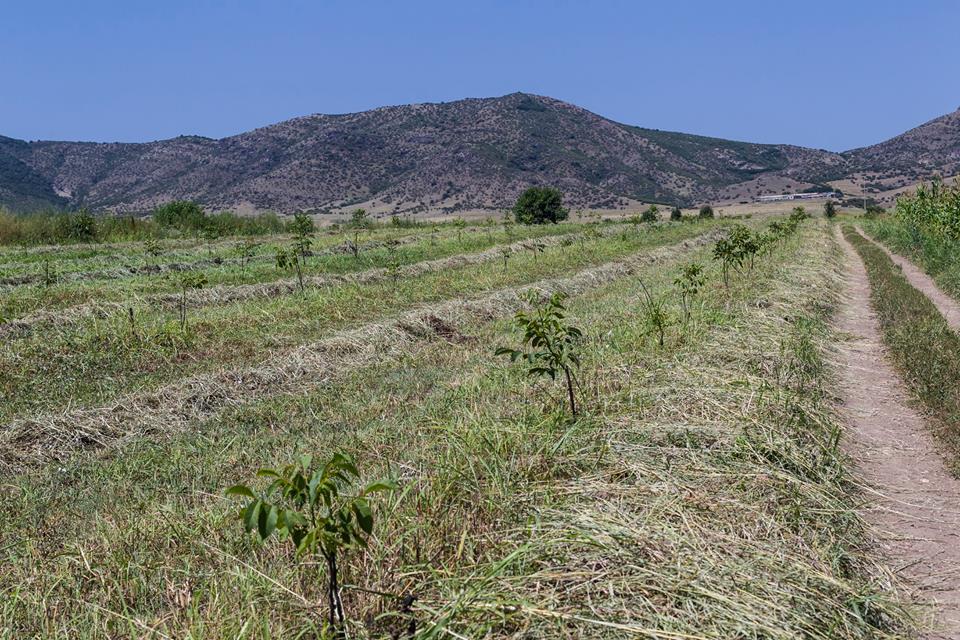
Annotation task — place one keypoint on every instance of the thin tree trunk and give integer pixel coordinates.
(570, 394)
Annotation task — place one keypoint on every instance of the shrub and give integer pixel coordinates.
(706, 211)
(829, 209)
(657, 316)
(318, 510)
(651, 214)
(539, 205)
(550, 344)
(676, 214)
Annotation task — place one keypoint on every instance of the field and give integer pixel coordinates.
(702, 488)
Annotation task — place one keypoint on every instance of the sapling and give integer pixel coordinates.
(320, 510)
(291, 258)
(245, 251)
(689, 283)
(189, 281)
(657, 316)
(152, 248)
(550, 343)
(459, 225)
(209, 234)
(505, 253)
(303, 229)
(49, 274)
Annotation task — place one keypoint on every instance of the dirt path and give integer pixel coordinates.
(916, 510)
(949, 307)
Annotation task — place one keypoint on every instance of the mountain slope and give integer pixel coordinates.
(475, 153)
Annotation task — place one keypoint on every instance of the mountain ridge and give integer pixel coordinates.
(476, 153)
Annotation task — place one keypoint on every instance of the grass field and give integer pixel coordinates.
(700, 492)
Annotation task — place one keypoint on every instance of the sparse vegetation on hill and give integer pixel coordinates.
(467, 154)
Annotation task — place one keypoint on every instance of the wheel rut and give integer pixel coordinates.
(915, 503)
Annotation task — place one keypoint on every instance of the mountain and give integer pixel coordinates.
(468, 154)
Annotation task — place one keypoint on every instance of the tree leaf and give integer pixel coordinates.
(241, 490)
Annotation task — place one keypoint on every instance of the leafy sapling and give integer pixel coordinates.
(657, 315)
(292, 259)
(505, 253)
(152, 249)
(459, 224)
(689, 283)
(303, 229)
(320, 510)
(551, 345)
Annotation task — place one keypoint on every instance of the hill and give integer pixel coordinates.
(468, 154)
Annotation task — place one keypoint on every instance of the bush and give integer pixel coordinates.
(651, 214)
(676, 214)
(706, 211)
(539, 205)
(829, 209)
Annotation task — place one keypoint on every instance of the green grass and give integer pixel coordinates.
(102, 358)
(701, 495)
(923, 347)
(83, 286)
(938, 256)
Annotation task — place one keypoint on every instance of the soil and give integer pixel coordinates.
(915, 505)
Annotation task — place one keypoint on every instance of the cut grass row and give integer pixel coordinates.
(100, 359)
(23, 300)
(402, 264)
(923, 347)
(700, 496)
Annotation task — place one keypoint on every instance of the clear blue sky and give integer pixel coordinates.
(835, 74)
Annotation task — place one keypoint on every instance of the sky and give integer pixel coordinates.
(833, 75)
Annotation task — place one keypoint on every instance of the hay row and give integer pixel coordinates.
(225, 294)
(30, 441)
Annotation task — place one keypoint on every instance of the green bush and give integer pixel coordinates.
(539, 205)
(706, 211)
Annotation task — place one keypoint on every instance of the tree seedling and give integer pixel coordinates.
(459, 224)
(152, 248)
(189, 281)
(657, 316)
(303, 229)
(319, 510)
(292, 259)
(550, 344)
(689, 283)
(245, 251)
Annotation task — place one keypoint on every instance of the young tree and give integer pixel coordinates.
(539, 205)
(459, 224)
(676, 214)
(189, 281)
(291, 258)
(302, 229)
(319, 510)
(359, 219)
(651, 214)
(689, 283)
(657, 316)
(829, 209)
(706, 211)
(550, 343)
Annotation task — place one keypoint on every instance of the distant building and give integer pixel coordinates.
(799, 196)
